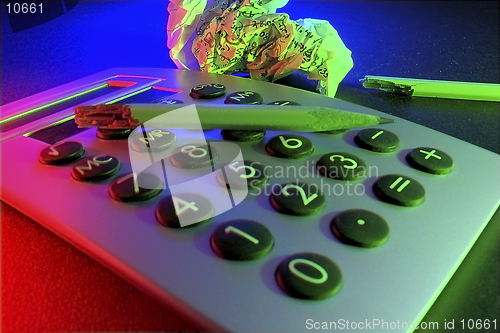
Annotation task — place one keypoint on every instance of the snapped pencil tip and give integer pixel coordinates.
(386, 120)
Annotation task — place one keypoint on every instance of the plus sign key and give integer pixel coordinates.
(430, 160)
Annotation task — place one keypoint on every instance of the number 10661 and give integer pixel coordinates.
(24, 8)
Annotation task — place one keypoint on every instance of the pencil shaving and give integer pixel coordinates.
(106, 116)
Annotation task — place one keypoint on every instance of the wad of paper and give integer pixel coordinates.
(238, 36)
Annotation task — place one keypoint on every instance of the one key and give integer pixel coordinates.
(61, 153)
(399, 190)
(241, 240)
(360, 227)
(309, 276)
(378, 140)
(298, 199)
(430, 160)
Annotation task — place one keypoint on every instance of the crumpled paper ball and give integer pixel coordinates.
(234, 36)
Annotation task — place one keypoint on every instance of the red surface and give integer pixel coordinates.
(50, 286)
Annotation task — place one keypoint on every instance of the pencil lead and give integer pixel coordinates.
(386, 120)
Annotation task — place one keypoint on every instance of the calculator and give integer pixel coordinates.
(356, 229)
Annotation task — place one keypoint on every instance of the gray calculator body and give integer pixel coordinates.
(388, 287)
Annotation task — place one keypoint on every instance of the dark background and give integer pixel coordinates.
(47, 285)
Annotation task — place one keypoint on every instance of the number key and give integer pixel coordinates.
(343, 166)
(239, 175)
(289, 146)
(241, 240)
(194, 156)
(184, 209)
(309, 276)
(298, 199)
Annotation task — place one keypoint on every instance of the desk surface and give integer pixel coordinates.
(47, 285)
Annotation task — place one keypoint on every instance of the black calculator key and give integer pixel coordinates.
(184, 209)
(298, 199)
(242, 135)
(309, 276)
(399, 190)
(289, 146)
(208, 91)
(152, 140)
(361, 228)
(113, 134)
(341, 165)
(132, 188)
(61, 153)
(238, 175)
(95, 168)
(244, 97)
(430, 160)
(333, 132)
(378, 140)
(167, 101)
(241, 240)
(283, 103)
(194, 156)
